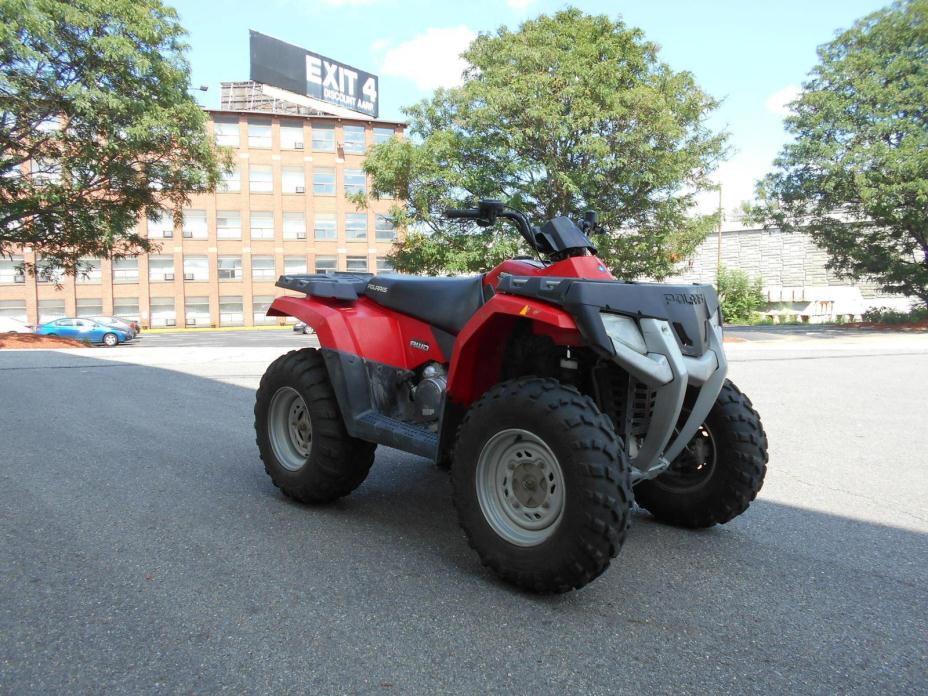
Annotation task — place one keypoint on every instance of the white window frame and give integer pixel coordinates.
(294, 224)
(326, 188)
(126, 270)
(157, 269)
(292, 136)
(355, 187)
(260, 133)
(325, 258)
(263, 183)
(228, 269)
(228, 224)
(197, 266)
(293, 180)
(227, 131)
(330, 231)
(195, 225)
(351, 236)
(323, 144)
(352, 145)
(264, 272)
(261, 215)
(349, 259)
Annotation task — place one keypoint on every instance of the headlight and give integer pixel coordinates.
(624, 330)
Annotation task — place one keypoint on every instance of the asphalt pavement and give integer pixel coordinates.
(144, 550)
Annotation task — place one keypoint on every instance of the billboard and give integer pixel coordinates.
(280, 64)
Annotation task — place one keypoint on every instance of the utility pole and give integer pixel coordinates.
(718, 254)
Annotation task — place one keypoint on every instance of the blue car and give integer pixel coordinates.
(84, 330)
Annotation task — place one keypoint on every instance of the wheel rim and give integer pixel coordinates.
(520, 487)
(694, 466)
(109, 340)
(290, 429)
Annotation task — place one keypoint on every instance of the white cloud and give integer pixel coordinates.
(519, 4)
(778, 102)
(431, 59)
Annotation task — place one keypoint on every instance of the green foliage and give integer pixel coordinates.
(96, 126)
(569, 113)
(855, 175)
(739, 295)
(885, 315)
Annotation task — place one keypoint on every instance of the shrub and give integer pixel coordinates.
(885, 315)
(739, 294)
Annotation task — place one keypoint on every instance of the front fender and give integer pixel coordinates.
(479, 348)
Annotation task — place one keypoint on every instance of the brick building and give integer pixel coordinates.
(282, 210)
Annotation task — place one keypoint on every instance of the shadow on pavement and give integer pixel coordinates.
(143, 547)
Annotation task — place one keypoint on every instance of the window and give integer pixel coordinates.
(195, 224)
(294, 265)
(259, 306)
(357, 264)
(162, 312)
(196, 311)
(259, 132)
(354, 139)
(49, 310)
(45, 171)
(14, 309)
(324, 227)
(162, 227)
(126, 308)
(323, 138)
(261, 178)
(231, 180)
(384, 265)
(262, 224)
(230, 310)
(262, 268)
(226, 129)
(89, 307)
(293, 180)
(126, 270)
(228, 224)
(160, 269)
(294, 225)
(291, 135)
(45, 272)
(355, 181)
(325, 264)
(196, 268)
(356, 227)
(382, 135)
(384, 230)
(324, 182)
(230, 267)
(89, 271)
(9, 273)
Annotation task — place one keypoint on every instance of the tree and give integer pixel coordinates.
(96, 126)
(855, 176)
(739, 295)
(570, 112)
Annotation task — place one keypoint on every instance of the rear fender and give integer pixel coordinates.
(365, 329)
(478, 351)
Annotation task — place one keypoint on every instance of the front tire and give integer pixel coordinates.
(301, 435)
(541, 485)
(110, 340)
(719, 473)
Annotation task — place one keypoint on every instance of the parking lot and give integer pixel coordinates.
(143, 549)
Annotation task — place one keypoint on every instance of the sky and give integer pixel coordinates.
(751, 55)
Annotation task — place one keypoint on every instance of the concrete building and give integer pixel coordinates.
(282, 210)
(793, 270)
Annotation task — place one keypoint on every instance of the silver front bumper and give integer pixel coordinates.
(667, 371)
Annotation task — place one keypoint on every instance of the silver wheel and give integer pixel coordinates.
(520, 487)
(289, 428)
(110, 340)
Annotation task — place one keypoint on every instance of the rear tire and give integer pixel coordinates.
(530, 442)
(734, 437)
(301, 435)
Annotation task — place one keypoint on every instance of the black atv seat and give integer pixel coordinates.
(446, 303)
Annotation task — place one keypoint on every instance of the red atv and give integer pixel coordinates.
(556, 394)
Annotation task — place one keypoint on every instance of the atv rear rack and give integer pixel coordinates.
(336, 286)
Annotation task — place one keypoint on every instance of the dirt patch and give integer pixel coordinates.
(37, 341)
(734, 339)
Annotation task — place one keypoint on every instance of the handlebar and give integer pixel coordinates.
(486, 215)
(462, 213)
